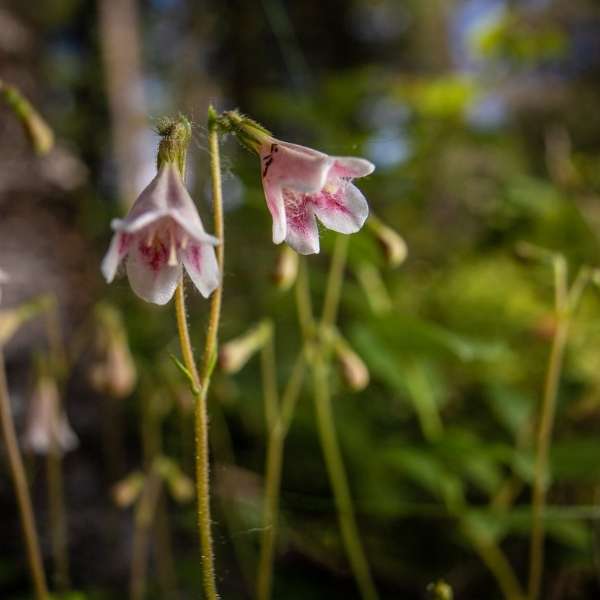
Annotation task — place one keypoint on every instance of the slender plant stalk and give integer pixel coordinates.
(21, 489)
(202, 382)
(144, 517)
(320, 359)
(335, 281)
(543, 440)
(58, 519)
(273, 468)
(495, 560)
(278, 428)
(165, 563)
(54, 458)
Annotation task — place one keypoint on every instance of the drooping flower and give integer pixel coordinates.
(162, 231)
(113, 369)
(47, 429)
(302, 185)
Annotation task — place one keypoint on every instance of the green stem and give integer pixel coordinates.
(274, 462)
(202, 380)
(320, 360)
(21, 490)
(58, 519)
(144, 517)
(335, 281)
(495, 560)
(543, 440)
(208, 364)
(338, 479)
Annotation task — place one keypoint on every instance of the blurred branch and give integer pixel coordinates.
(120, 44)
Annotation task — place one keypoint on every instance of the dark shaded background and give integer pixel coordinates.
(482, 118)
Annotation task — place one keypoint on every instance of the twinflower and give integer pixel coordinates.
(162, 231)
(302, 185)
(47, 428)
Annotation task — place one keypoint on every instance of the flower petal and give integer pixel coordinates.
(150, 275)
(119, 246)
(350, 166)
(344, 210)
(182, 209)
(276, 207)
(293, 166)
(302, 232)
(201, 265)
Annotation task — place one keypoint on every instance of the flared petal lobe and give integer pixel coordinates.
(302, 232)
(151, 276)
(344, 209)
(201, 265)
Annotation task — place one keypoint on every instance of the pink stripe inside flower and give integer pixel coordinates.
(161, 232)
(302, 185)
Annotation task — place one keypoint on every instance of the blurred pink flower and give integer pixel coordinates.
(47, 425)
(301, 183)
(162, 230)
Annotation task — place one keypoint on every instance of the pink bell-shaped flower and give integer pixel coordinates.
(162, 231)
(301, 183)
(47, 429)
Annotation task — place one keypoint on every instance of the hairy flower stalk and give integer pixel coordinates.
(302, 185)
(161, 235)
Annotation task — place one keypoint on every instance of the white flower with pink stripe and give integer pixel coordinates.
(162, 231)
(302, 185)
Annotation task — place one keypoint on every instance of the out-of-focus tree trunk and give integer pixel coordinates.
(120, 43)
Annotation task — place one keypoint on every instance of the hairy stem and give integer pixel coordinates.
(21, 489)
(202, 380)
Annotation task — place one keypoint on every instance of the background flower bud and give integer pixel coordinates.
(127, 491)
(237, 352)
(114, 371)
(391, 242)
(47, 428)
(286, 268)
(37, 130)
(352, 367)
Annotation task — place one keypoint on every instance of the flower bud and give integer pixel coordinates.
(352, 367)
(127, 491)
(391, 242)
(47, 429)
(249, 133)
(237, 352)
(439, 590)
(179, 484)
(286, 269)
(39, 133)
(114, 372)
